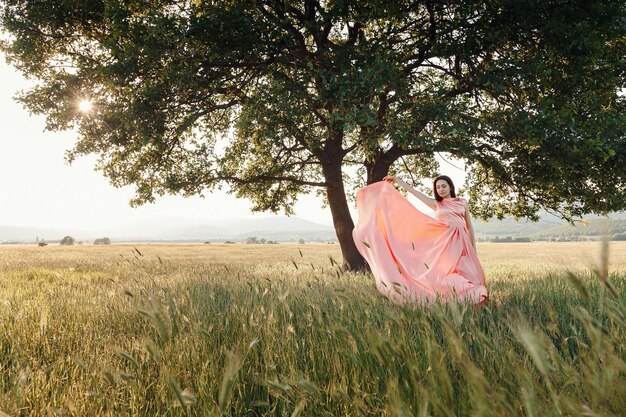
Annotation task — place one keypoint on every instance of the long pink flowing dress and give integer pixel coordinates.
(414, 257)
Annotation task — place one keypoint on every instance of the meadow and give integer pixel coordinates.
(281, 330)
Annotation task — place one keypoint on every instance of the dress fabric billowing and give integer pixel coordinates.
(415, 258)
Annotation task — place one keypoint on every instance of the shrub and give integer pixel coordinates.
(67, 240)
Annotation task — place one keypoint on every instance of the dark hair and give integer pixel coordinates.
(450, 183)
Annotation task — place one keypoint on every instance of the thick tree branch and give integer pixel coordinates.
(257, 178)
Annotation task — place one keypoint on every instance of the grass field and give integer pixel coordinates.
(279, 330)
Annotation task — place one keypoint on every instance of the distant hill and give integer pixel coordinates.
(590, 228)
(513, 228)
(552, 229)
(281, 228)
(30, 234)
(272, 228)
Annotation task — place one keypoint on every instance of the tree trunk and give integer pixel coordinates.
(377, 171)
(342, 220)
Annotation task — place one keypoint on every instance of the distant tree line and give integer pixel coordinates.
(69, 241)
(254, 241)
(507, 239)
(568, 238)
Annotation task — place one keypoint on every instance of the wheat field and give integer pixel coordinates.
(280, 330)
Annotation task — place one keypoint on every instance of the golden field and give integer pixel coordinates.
(251, 330)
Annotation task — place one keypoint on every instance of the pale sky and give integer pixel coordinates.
(37, 187)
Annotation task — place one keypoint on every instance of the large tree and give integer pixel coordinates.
(275, 98)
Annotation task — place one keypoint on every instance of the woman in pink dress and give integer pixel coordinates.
(413, 256)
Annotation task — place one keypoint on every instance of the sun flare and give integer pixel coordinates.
(85, 106)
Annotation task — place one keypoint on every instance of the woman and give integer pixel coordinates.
(414, 257)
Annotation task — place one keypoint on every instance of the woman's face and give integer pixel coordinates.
(443, 189)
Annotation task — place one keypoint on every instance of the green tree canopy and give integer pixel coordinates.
(280, 97)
